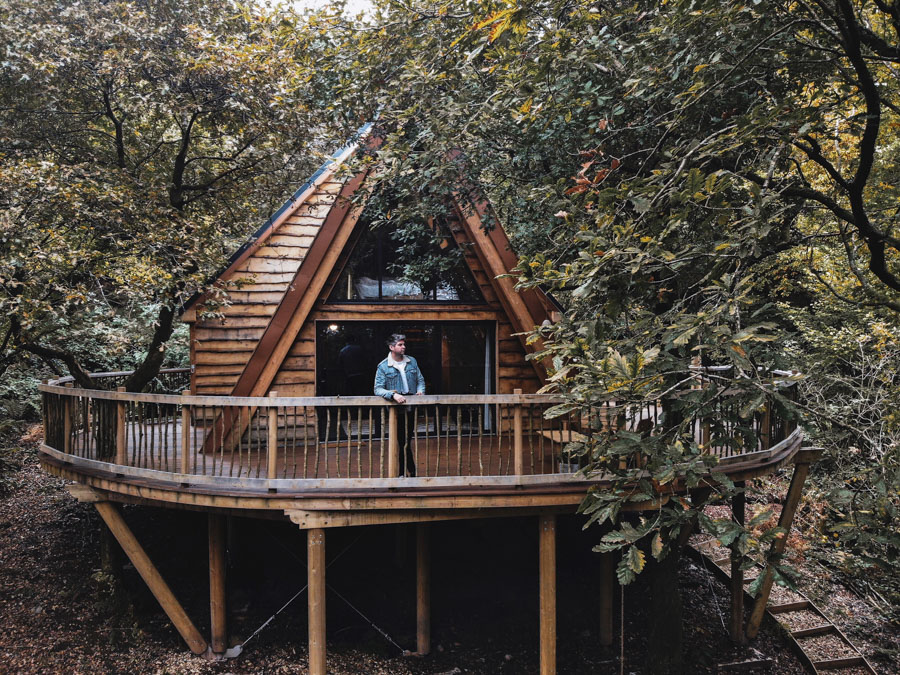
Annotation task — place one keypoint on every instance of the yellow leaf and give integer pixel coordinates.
(697, 69)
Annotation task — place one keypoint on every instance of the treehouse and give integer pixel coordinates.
(276, 416)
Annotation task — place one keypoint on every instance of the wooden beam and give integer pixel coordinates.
(547, 573)
(423, 590)
(517, 310)
(315, 549)
(736, 625)
(151, 576)
(218, 625)
(308, 520)
(795, 491)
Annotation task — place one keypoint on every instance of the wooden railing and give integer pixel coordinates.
(325, 438)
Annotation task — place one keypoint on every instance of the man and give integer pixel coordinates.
(397, 377)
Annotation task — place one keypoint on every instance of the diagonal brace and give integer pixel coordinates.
(151, 577)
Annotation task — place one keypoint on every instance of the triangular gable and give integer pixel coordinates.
(292, 208)
(291, 301)
(306, 284)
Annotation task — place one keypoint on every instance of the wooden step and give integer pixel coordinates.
(837, 664)
(815, 630)
(789, 607)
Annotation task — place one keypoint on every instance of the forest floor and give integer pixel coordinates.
(58, 613)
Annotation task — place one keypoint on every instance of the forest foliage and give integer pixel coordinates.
(691, 179)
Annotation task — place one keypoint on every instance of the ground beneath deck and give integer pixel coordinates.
(58, 617)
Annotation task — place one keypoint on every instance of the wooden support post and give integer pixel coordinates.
(423, 590)
(736, 626)
(315, 550)
(517, 437)
(393, 444)
(67, 422)
(185, 434)
(607, 597)
(151, 576)
(272, 449)
(795, 491)
(547, 573)
(121, 451)
(217, 621)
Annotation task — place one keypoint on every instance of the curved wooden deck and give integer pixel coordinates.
(339, 454)
(336, 462)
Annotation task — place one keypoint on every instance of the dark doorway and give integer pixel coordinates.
(455, 357)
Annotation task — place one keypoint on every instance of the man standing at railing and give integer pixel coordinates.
(397, 377)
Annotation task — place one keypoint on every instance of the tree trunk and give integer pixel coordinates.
(665, 634)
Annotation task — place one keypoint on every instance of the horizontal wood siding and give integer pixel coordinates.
(221, 348)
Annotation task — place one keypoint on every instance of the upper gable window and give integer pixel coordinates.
(421, 264)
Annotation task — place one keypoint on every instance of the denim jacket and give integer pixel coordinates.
(387, 379)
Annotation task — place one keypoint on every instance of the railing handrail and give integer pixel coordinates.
(59, 387)
(116, 373)
(296, 401)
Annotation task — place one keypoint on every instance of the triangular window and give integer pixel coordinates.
(421, 264)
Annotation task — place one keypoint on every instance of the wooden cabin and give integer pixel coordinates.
(317, 275)
(270, 421)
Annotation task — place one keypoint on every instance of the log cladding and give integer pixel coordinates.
(222, 346)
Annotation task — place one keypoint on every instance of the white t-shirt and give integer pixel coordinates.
(401, 366)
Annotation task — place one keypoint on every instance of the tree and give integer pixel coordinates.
(654, 163)
(140, 141)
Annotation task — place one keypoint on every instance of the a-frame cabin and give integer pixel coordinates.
(324, 452)
(316, 278)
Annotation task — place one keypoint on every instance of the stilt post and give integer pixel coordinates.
(185, 434)
(518, 455)
(607, 597)
(151, 577)
(736, 626)
(218, 625)
(795, 491)
(423, 590)
(393, 444)
(121, 455)
(272, 449)
(315, 548)
(547, 573)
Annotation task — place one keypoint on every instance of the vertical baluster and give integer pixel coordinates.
(381, 444)
(153, 418)
(458, 439)
(121, 449)
(327, 435)
(427, 442)
(394, 449)
(272, 445)
(480, 440)
(185, 433)
(530, 409)
(371, 440)
(293, 441)
(518, 457)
